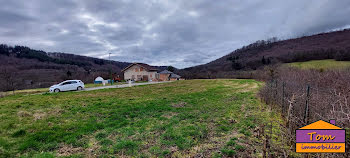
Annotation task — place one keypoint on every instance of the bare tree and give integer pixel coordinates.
(311, 94)
(8, 75)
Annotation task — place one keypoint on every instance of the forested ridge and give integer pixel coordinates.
(255, 56)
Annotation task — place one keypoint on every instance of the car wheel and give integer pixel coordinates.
(56, 90)
(80, 88)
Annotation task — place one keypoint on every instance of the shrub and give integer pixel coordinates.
(329, 91)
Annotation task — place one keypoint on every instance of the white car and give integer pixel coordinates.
(69, 85)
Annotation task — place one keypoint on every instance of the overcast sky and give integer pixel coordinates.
(181, 33)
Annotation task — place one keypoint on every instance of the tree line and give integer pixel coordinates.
(248, 58)
(26, 52)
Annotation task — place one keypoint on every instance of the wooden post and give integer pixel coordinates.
(289, 113)
(306, 115)
(282, 99)
(265, 141)
(276, 92)
(270, 139)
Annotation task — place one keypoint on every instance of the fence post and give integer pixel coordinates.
(306, 115)
(289, 113)
(276, 92)
(282, 101)
(271, 97)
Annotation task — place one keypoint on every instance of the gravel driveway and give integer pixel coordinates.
(124, 85)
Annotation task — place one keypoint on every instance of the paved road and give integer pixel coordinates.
(124, 85)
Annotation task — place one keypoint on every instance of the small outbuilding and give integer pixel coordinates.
(174, 77)
(168, 76)
(164, 75)
(99, 80)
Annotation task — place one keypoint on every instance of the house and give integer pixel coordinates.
(144, 72)
(140, 72)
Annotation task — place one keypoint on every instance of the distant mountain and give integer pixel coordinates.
(28, 68)
(332, 45)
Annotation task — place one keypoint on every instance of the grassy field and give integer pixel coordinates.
(321, 64)
(210, 118)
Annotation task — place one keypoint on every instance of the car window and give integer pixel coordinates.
(73, 82)
(66, 83)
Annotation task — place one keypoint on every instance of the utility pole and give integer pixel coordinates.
(110, 68)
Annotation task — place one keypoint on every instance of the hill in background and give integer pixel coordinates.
(22, 67)
(332, 45)
(28, 68)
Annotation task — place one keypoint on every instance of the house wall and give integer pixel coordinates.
(138, 72)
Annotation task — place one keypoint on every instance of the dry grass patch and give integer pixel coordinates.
(211, 146)
(93, 149)
(23, 114)
(39, 115)
(68, 150)
(169, 115)
(179, 104)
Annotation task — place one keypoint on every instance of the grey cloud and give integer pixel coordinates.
(12, 17)
(163, 32)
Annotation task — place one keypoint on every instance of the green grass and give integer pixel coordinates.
(178, 119)
(321, 64)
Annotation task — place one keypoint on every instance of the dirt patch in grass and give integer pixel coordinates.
(39, 115)
(169, 115)
(211, 146)
(243, 108)
(56, 112)
(92, 150)
(23, 114)
(179, 104)
(68, 150)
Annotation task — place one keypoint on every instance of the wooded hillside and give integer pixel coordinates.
(332, 45)
(22, 67)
